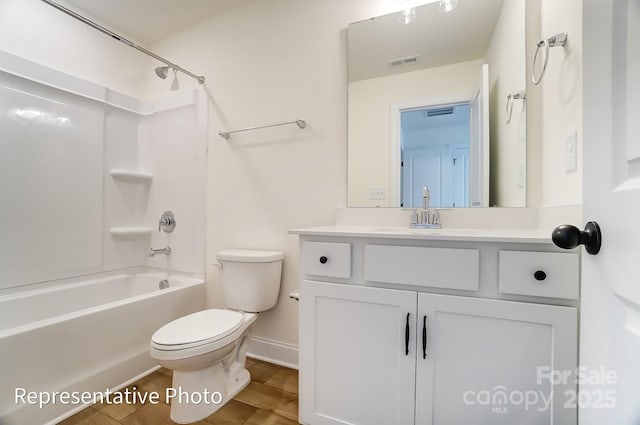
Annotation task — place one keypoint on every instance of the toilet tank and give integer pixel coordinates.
(250, 278)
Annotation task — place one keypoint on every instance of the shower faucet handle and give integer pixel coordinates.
(167, 222)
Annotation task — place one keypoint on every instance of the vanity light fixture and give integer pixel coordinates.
(407, 16)
(447, 5)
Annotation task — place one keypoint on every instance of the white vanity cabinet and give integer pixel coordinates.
(354, 367)
(385, 346)
(483, 361)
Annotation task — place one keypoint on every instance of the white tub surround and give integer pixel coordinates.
(85, 174)
(88, 334)
(440, 318)
(76, 155)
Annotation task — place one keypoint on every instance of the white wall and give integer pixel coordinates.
(38, 32)
(534, 109)
(561, 92)
(268, 62)
(370, 103)
(506, 57)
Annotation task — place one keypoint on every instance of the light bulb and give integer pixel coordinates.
(408, 15)
(447, 5)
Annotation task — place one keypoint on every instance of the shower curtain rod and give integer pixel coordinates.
(121, 39)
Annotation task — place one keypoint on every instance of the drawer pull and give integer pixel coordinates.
(540, 275)
(406, 336)
(323, 260)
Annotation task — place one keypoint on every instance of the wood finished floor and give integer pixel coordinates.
(270, 399)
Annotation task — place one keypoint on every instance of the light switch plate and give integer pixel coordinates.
(520, 176)
(377, 193)
(571, 152)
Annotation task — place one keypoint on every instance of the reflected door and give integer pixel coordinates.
(479, 178)
(422, 168)
(435, 153)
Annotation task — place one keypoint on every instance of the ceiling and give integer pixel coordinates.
(437, 38)
(148, 21)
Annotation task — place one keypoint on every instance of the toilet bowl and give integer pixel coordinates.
(207, 350)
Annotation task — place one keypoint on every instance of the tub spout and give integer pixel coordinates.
(165, 251)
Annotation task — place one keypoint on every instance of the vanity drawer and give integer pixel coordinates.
(421, 266)
(540, 274)
(326, 259)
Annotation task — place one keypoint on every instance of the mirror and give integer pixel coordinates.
(429, 102)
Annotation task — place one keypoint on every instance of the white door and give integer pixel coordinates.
(460, 177)
(479, 167)
(421, 168)
(610, 313)
(484, 361)
(355, 365)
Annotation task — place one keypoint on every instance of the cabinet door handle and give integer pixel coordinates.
(424, 337)
(406, 336)
(323, 260)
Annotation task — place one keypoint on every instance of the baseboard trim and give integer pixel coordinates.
(276, 352)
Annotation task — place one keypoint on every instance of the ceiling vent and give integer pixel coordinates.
(409, 60)
(436, 112)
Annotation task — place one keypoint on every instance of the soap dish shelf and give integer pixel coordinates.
(130, 231)
(131, 176)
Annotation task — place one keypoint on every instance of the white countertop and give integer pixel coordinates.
(450, 234)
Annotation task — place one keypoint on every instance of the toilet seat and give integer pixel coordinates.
(194, 330)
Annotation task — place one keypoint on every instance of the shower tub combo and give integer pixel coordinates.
(86, 334)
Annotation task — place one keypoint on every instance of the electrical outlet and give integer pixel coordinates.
(571, 152)
(377, 193)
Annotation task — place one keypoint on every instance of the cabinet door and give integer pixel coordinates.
(354, 364)
(490, 362)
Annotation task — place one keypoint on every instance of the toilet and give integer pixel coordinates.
(207, 350)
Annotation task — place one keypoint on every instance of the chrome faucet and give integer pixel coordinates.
(165, 251)
(423, 218)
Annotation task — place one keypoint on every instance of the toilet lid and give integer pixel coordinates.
(207, 325)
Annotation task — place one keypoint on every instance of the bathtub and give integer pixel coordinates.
(84, 335)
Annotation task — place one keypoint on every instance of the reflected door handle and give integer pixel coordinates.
(569, 237)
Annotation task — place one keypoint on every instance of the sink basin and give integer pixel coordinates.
(453, 232)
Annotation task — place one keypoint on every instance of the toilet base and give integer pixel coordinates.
(198, 390)
(199, 394)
